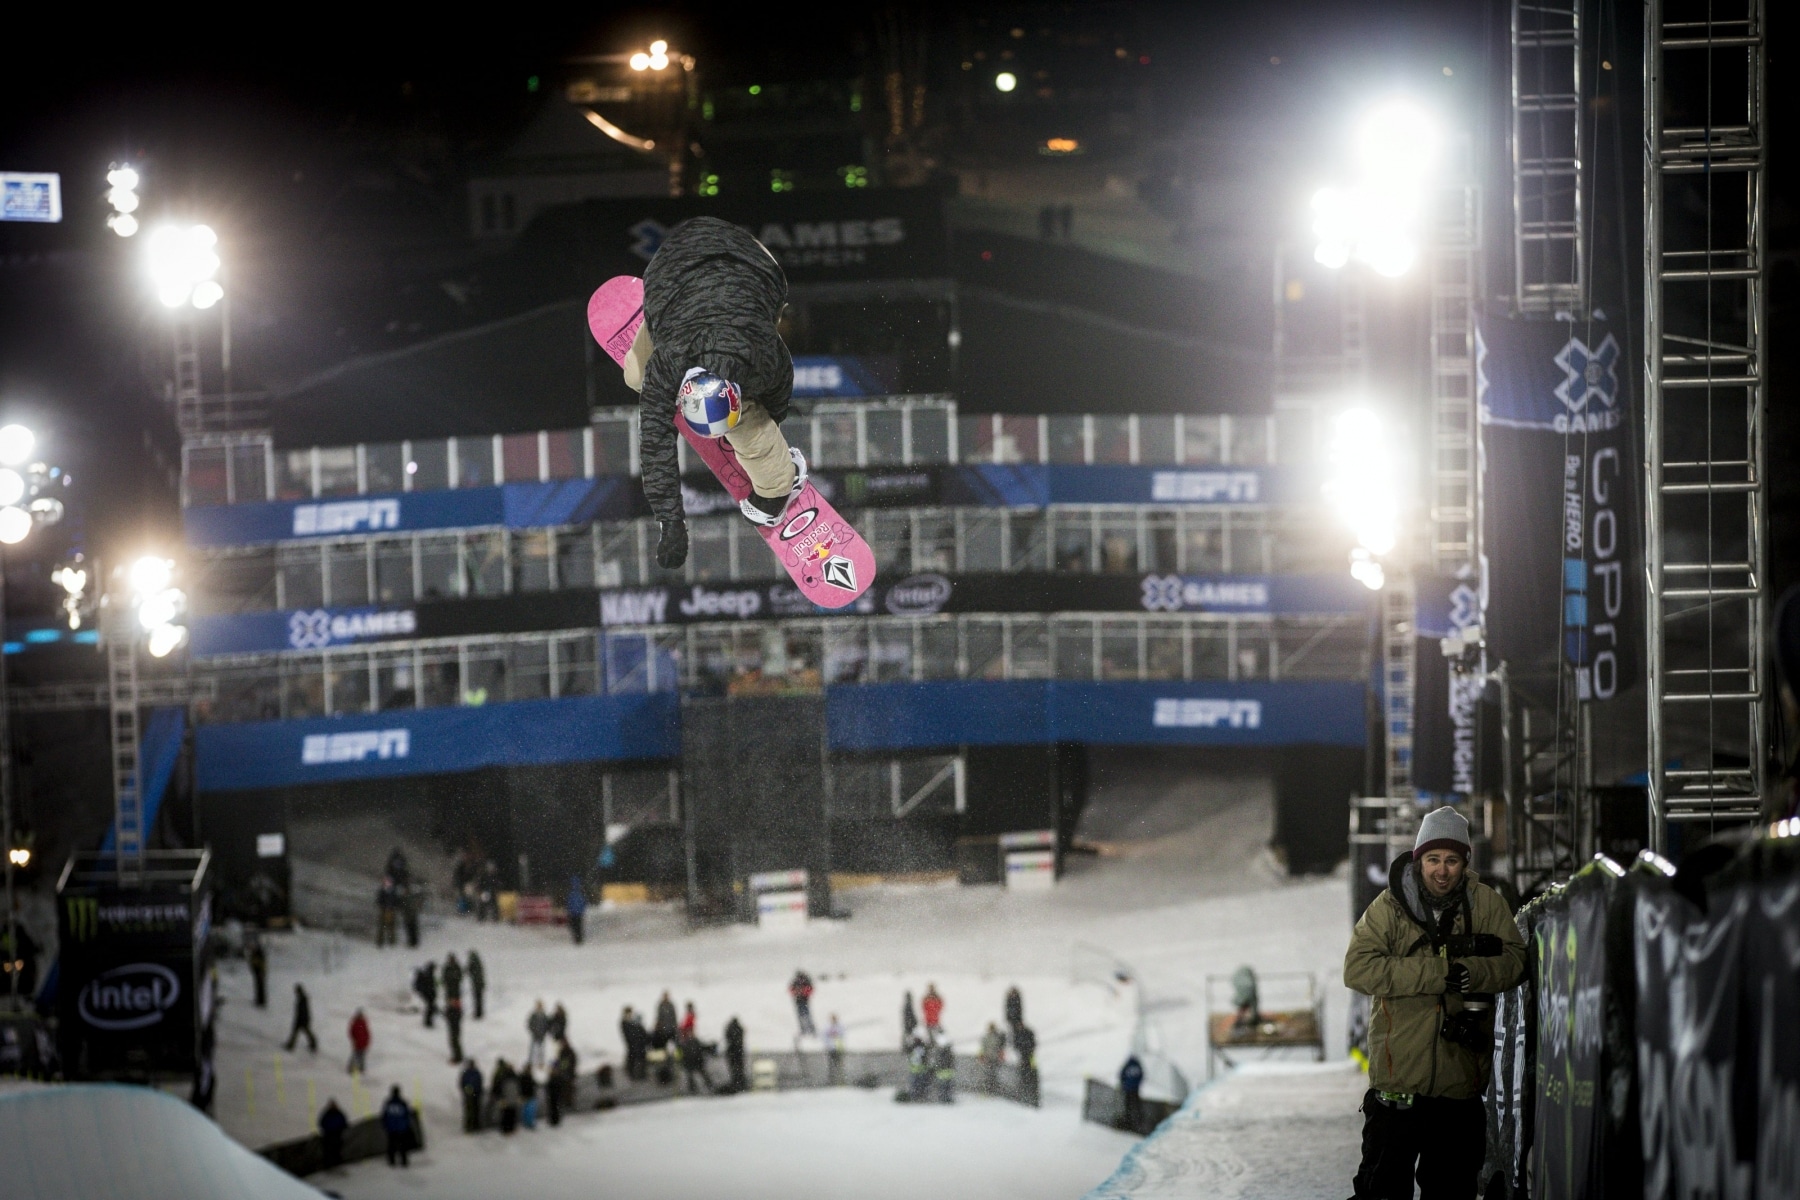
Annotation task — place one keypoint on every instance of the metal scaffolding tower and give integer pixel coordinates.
(120, 635)
(1398, 649)
(1549, 251)
(1705, 499)
(1455, 234)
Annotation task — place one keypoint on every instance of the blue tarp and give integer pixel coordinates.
(159, 749)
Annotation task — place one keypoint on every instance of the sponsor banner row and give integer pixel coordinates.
(430, 741)
(618, 497)
(925, 594)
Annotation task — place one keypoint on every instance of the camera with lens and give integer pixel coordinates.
(1472, 1028)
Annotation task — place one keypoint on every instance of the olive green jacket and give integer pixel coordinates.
(1394, 960)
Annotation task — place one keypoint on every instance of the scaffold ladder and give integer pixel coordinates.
(1397, 677)
(122, 689)
(1455, 237)
(1547, 152)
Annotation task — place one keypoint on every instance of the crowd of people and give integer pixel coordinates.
(673, 1042)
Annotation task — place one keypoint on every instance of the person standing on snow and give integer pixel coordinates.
(258, 958)
(944, 1062)
(834, 1052)
(1131, 1084)
(425, 983)
(1015, 1008)
(909, 1021)
(1430, 950)
(801, 989)
(932, 1006)
(559, 1088)
(734, 1054)
(1025, 1043)
(666, 1027)
(302, 1021)
(689, 1021)
(993, 1052)
(637, 1044)
(538, 1026)
(477, 981)
(576, 907)
(332, 1124)
(469, 1083)
(712, 297)
(359, 1044)
(397, 1123)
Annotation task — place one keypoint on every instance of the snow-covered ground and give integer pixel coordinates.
(1184, 891)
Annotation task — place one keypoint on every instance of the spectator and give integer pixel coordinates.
(1025, 1044)
(577, 907)
(666, 1028)
(834, 1052)
(1436, 939)
(993, 1053)
(1015, 1008)
(637, 1044)
(487, 893)
(332, 1124)
(528, 1097)
(397, 1123)
(801, 989)
(258, 958)
(302, 1021)
(734, 1055)
(425, 983)
(689, 1022)
(462, 881)
(477, 981)
(411, 897)
(1131, 1083)
(469, 1082)
(359, 1044)
(452, 978)
(932, 1006)
(693, 1062)
(387, 906)
(918, 1071)
(453, 1017)
(945, 1062)
(559, 1023)
(1244, 996)
(505, 1090)
(538, 1026)
(909, 1021)
(397, 868)
(560, 1089)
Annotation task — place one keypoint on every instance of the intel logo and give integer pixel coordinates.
(918, 595)
(129, 997)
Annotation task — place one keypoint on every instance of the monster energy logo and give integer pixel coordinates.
(84, 917)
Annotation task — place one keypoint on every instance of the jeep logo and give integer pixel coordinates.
(129, 997)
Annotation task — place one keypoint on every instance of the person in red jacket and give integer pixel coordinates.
(688, 1020)
(801, 989)
(932, 1006)
(359, 1043)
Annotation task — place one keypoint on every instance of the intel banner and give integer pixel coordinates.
(429, 741)
(1560, 515)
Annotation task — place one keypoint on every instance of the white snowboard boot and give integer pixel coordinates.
(753, 506)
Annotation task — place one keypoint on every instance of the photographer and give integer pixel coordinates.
(1431, 951)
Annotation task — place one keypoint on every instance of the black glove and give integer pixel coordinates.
(671, 551)
(1456, 979)
(1474, 945)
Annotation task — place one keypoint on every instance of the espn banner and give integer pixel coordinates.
(1560, 521)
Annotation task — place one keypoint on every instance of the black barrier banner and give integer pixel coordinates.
(1560, 511)
(1512, 1083)
(1771, 996)
(1570, 942)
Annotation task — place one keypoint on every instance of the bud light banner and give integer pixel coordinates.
(1447, 691)
(1559, 505)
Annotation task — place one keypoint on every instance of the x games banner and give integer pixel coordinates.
(1560, 503)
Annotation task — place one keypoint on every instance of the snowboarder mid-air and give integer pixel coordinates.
(712, 297)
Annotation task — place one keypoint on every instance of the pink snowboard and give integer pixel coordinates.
(829, 562)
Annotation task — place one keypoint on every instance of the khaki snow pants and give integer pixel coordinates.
(757, 440)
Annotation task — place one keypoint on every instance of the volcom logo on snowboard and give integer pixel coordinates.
(840, 572)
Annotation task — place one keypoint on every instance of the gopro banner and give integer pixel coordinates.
(1560, 511)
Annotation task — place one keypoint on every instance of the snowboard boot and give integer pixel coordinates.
(768, 511)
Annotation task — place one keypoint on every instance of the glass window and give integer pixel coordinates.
(1246, 545)
(1119, 542)
(619, 558)
(565, 454)
(347, 675)
(301, 576)
(1118, 649)
(1112, 439)
(890, 535)
(293, 474)
(612, 446)
(1027, 549)
(1162, 650)
(755, 559)
(519, 457)
(1211, 642)
(302, 687)
(982, 533)
(485, 682)
(384, 464)
(1074, 539)
(984, 649)
(574, 558)
(974, 439)
(1156, 440)
(1202, 542)
(576, 666)
(1200, 440)
(337, 471)
(349, 572)
(1252, 651)
(533, 551)
(890, 651)
(882, 431)
(429, 467)
(937, 649)
(1068, 440)
(837, 439)
(846, 649)
(1030, 648)
(484, 563)
(394, 571)
(528, 669)
(1159, 542)
(249, 473)
(935, 549)
(206, 476)
(474, 461)
(1018, 441)
(805, 650)
(709, 549)
(247, 694)
(440, 677)
(1250, 441)
(930, 435)
(395, 686)
(1074, 648)
(440, 567)
(241, 583)
(1294, 435)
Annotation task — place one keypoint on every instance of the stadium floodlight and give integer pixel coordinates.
(1380, 219)
(16, 444)
(122, 182)
(158, 603)
(1362, 490)
(151, 574)
(181, 260)
(15, 525)
(164, 640)
(12, 486)
(19, 856)
(1006, 81)
(656, 59)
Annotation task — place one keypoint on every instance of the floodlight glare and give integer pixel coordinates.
(160, 608)
(15, 524)
(181, 259)
(123, 224)
(208, 293)
(658, 61)
(659, 47)
(12, 486)
(165, 640)
(16, 444)
(640, 61)
(151, 574)
(123, 199)
(123, 177)
(1361, 487)
(18, 856)
(1006, 81)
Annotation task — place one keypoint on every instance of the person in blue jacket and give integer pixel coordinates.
(577, 907)
(397, 1123)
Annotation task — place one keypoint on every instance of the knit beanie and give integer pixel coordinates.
(1442, 829)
